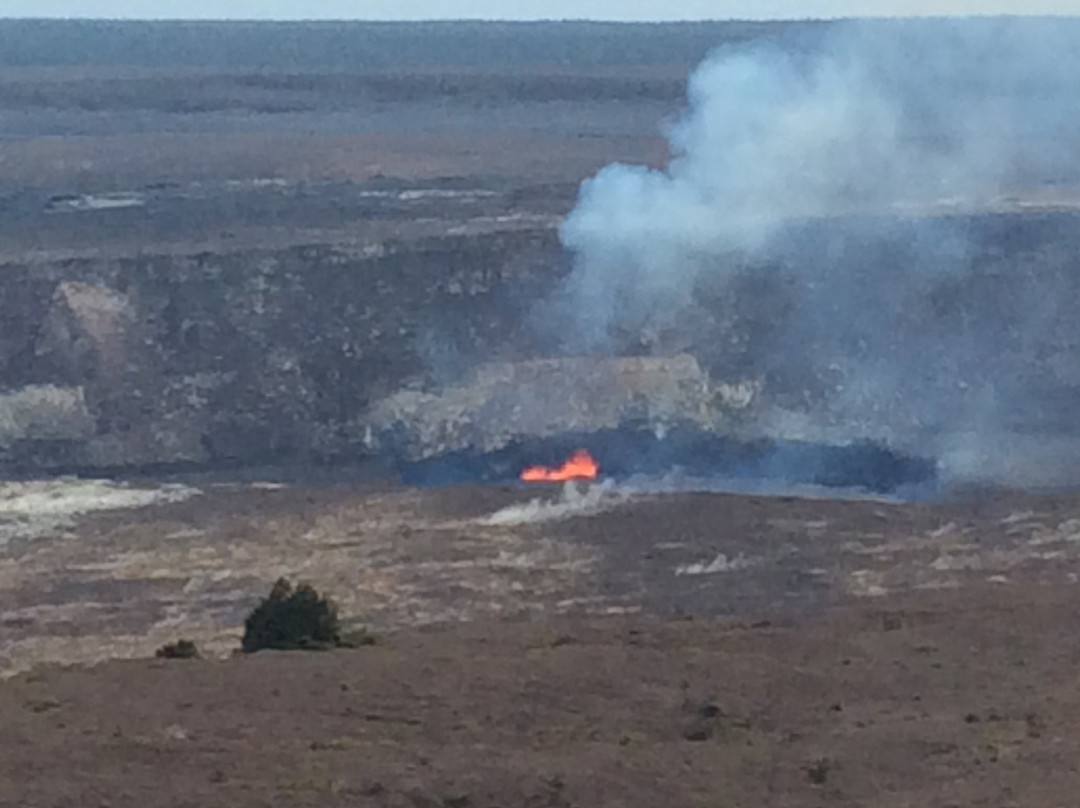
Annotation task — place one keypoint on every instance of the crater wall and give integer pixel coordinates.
(293, 352)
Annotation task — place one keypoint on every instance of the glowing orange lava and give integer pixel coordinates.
(580, 466)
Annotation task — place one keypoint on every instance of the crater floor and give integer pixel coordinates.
(80, 585)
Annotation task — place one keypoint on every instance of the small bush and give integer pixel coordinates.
(184, 649)
(292, 620)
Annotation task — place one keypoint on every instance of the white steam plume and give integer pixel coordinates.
(898, 325)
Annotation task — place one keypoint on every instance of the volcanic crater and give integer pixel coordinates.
(802, 529)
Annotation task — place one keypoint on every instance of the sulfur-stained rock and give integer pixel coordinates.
(508, 401)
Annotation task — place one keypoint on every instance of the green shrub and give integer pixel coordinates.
(291, 620)
(184, 649)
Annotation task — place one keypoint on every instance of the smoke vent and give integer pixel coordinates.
(656, 421)
(690, 458)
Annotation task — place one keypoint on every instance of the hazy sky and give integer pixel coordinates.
(521, 9)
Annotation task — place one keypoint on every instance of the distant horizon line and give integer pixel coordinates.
(542, 20)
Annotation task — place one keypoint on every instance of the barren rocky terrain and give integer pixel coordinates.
(882, 707)
(251, 276)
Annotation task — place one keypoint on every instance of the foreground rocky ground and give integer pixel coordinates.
(231, 263)
(546, 649)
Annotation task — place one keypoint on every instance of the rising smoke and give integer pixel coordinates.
(815, 228)
(575, 500)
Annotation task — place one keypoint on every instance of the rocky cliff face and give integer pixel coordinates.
(503, 402)
(245, 355)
